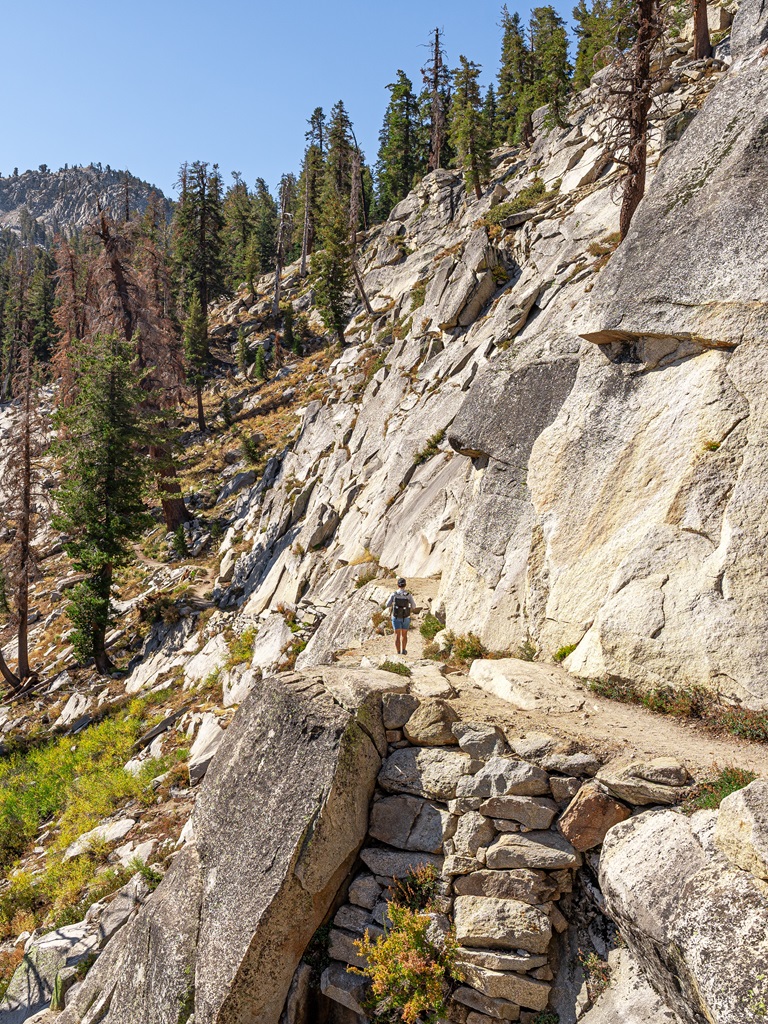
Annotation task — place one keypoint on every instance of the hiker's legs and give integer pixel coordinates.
(402, 641)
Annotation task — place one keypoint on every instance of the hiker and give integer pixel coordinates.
(401, 603)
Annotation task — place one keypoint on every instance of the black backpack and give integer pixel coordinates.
(401, 608)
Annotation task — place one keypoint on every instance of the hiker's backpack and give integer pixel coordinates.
(401, 608)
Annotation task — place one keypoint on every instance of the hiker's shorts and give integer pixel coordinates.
(401, 623)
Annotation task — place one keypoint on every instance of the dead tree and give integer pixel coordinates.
(628, 93)
(356, 208)
(437, 77)
(23, 493)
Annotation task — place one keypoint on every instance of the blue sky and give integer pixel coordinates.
(149, 84)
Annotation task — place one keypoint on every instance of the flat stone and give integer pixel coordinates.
(632, 783)
(430, 724)
(365, 891)
(589, 816)
(579, 764)
(428, 681)
(496, 961)
(501, 924)
(432, 772)
(396, 864)
(533, 812)
(411, 823)
(480, 740)
(522, 884)
(534, 995)
(503, 776)
(546, 850)
(341, 946)
(352, 919)
(742, 828)
(498, 1009)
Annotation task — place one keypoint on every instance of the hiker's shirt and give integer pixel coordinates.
(400, 593)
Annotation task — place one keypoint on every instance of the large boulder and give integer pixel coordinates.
(696, 926)
(742, 828)
(223, 934)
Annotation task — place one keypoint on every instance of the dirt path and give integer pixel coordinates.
(607, 727)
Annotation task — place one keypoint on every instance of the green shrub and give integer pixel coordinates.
(226, 412)
(366, 576)
(180, 548)
(531, 196)
(431, 448)
(418, 295)
(395, 666)
(562, 652)
(430, 627)
(716, 786)
(408, 973)
(467, 648)
(241, 647)
(251, 450)
(526, 651)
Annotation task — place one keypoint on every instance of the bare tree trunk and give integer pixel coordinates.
(200, 409)
(638, 105)
(701, 45)
(100, 656)
(23, 525)
(305, 232)
(355, 206)
(175, 511)
(13, 681)
(360, 287)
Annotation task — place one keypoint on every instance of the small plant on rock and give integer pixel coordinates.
(395, 666)
(562, 652)
(597, 973)
(430, 449)
(710, 791)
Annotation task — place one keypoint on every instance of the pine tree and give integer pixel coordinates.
(287, 192)
(627, 94)
(490, 116)
(310, 184)
(399, 164)
(264, 238)
(196, 351)
(513, 75)
(198, 241)
(437, 98)
(550, 76)
(101, 497)
(238, 228)
(243, 355)
(601, 30)
(331, 267)
(260, 364)
(468, 132)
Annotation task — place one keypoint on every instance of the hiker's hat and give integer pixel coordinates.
(401, 582)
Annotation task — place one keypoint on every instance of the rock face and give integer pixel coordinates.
(290, 789)
(72, 198)
(696, 925)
